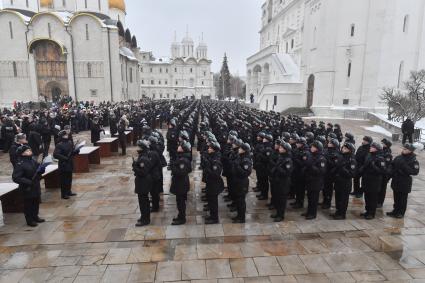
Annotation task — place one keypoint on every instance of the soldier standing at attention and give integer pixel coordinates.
(180, 183)
(404, 167)
(214, 182)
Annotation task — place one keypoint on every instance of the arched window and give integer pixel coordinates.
(400, 74)
(15, 69)
(349, 70)
(406, 23)
(89, 70)
(353, 27)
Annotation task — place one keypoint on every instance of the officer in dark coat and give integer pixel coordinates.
(241, 170)
(263, 160)
(403, 168)
(361, 155)
(95, 130)
(388, 156)
(372, 172)
(408, 129)
(27, 174)
(172, 139)
(20, 140)
(298, 180)
(65, 152)
(46, 135)
(157, 165)
(281, 179)
(142, 168)
(180, 183)
(332, 155)
(8, 132)
(213, 180)
(35, 141)
(122, 138)
(315, 170)
(345, 170)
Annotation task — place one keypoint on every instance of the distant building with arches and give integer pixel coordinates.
(186, 74)
(335, 57)
(76, 48)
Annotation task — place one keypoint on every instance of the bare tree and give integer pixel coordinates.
(409, 102)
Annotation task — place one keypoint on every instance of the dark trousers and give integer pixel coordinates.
(181, 205)
(263, 184)
(155, 194)
(65, 182)
(383, 191)
(240, 205)
(144, 206)
(313, 201)
(123, 145)
(273, 192)
(7, 144)
(342, 196)
(213, 205)
(357, 189)
(328, 190)
(31, 208)
(300, 191)
(400, 202)
(371, 202)
(279, 203)
(407, 137)
(46, 146)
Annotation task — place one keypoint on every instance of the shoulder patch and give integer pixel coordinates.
(142, 164)
(246, 166)
(353, 166)
(268, 153)
(215, 167)
(181, 166)
(322, 164)
(382, 164)
(288, 166)
(416, 166)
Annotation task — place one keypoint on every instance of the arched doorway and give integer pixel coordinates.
(51, 69)
(310, 90)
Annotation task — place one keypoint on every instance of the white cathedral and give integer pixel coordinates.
(186, 74)
(76, 48)
(335, 56)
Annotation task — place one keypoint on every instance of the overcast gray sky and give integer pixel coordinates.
(228, 25)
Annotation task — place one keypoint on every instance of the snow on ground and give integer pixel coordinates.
(378, 129)
(420, 124)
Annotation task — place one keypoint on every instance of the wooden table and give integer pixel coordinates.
(11, 199)
(51, 177)
(129, 137)
(88, 155)
(107, 146)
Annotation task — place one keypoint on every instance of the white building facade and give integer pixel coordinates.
(186, 74)
(344, 53)
(56, 48)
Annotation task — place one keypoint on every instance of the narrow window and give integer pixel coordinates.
(143, 82)
(11, 30)
(177, 82)
(85, 4)
(64, 3)
(141, 69)
(87, 32)
(175, 70)
(287, 47)
(89, 70)
(352, 30)
(205, 73)
(11, 2)
(27, 3)
(160, 70)
(15, 70)
(400, 74)
(349, 70)
(166, 70)
(292, 43)
(202, 82)
(99, 5)
(131, 75)
(191, 70)
(49, 30)
(159, 82)
(166, 82)
(151, 70)
(152, 82)
(406, 23)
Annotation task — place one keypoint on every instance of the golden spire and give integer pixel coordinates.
(46, 3)
(117, 4)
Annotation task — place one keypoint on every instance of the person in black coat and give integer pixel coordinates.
(157, 165)
(35, 141)
(361, 155)
(332, 154)
(20, 140)
(28, 174)
(65, 152)
(281, 179)
(95, 130)
(213, 180)
(403, 168)
(241, 170)
(345, 170)
(387, 153)
(408, 129)
(315, 170)
(142, 168)
(122, 138)
(46, 136)
(8, 132)
(180, 183)
(298, 179)
(263, 159)
(172, 139)
(372, 172)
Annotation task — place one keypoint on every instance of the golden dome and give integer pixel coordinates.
(118, 4)
(46, 3)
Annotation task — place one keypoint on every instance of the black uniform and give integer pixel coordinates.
(387, 154)
(315, 170)
(172, 139)
(214, 183)
(263, 159)
(27, 176)
(281, 179)
(298, 179)
(64, 152)
(180, 183)
(332, 155)
(403, 168)
(361, 154)
(122, 138)
(346, 168)
(142, 169)
(8, 132)
(241, 169)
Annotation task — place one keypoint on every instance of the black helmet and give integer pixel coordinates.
(186, 146)
(286, 136)
(334, 142)
(309, 136)
(317, 144)
(233, 133)
(269, 137)
(409, 147)
(215, 145)
(143, 144)
(246, 147)
(349, 136)
(238, 142)
(337, 126)
(153, 140)
(62, 134)
(279, 141)
(286, 146)
(302, 140)
(321, 139)
(295, 136)
(387, 143)
(350, 146)
(184, 135)
(261, 135)
(22, 149)
(368, 139)
(376, 145)
(232, 138)
(20, 137)
(173, 123)
(332, 136)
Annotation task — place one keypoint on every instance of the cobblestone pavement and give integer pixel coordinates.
(92, 237)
